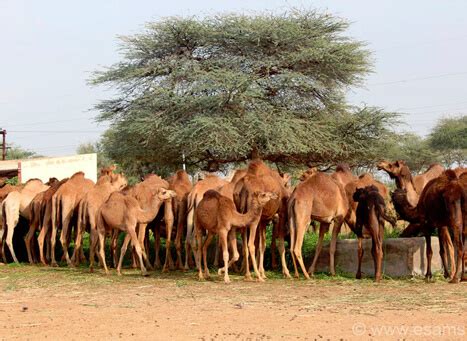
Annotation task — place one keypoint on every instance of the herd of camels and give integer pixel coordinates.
(246, 204)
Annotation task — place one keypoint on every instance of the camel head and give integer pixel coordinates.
(51, 181)
(108, 170)
(392, 168)
(308, 173)
(165, 194)
(286, 179)
(119, 181)
(264, 197)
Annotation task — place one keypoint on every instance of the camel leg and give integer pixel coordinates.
(446, 251)
(188, 240)
(251, 249)
(292, 246)
(9, 237)
(92, 248)
(64, 237)
(323, 228)
(232, 236)
(199, 239)
(141, 238)
(113, 247)
(332, 249)
(122, 253)
(101, 251)
(157, 247)
(378, 241)
(429, 254)
(139, 251)
(302, 221)
(225, 253)
(178, 237)
(464, 235)
(216, 253)
(28, 241)
(460, 254)
(281, 248)
(360, 257)
(262, 248)
(246, 255)
(205, 253)
(2, 244)
(169, 222)
(41, 240)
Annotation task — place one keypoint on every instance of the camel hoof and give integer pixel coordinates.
(119, 273)
(454, 280)
(55, 265)
(227, 280)
(377, 280)
(358, 276)
(200, 277)
(145, 274)
(248, 278)
(287, 275)
(259, 279)
(464, 278)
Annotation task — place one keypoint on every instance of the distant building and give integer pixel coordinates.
(45, 168)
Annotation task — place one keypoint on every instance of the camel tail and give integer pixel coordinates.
(382, 212)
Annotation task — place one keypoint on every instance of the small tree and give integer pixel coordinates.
(16, 153)
(227, 88)
(449, 137)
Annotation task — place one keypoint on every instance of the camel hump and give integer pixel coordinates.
(211, 194)
(450, 174)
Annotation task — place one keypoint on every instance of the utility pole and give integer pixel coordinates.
(3, 132)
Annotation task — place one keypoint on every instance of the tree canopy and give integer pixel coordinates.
(225, 88)
(449, 138)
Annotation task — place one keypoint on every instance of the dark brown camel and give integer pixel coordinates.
(441, 206)
(217, 214)
(371, 216)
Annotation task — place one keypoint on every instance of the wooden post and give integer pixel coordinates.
(3, 132)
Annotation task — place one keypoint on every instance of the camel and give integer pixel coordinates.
(180, 183)
(122, 212)
(65, 203)
(41, 217)
(442, 206)
(143, 192)
(371, 216)
(36, 214)
(90, 204)
(399, 171)
(217, 214)
(108, 170)
(260, 178)
(195, 196)
(16, 204)
(320, 198)
(4, 191)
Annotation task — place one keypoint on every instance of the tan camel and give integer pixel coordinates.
(343, 174)
(90, 204)
(217, 214)
(35, 217)
(195, 196)
(65, 203)
(16, 204)
(399, 171)
(143, 193)
(4, 191)
(260, 178)
(320, 198)
(122, 212)
(108, 170)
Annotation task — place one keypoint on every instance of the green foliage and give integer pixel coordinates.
(225, 88)
(411, 148)
(88, 148)
(16, 153)
(12, 181)
(449, 137)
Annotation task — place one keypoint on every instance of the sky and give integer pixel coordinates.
(48, 50)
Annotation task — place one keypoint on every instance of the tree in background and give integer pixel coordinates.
(227, 88)
(88, 148)
(15, 153)
(449, 138)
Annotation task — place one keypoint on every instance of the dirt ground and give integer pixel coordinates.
(57, 303)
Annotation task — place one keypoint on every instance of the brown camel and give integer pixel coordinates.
(399, 171)
(195, 196)
(122, 212)
(217, 214)
(441, 206)
(36, 215)
(90, 204)
(16, 204)
(179, 183)
(260, 178)
(371, 216)
(42, 216)
(65, 204)
(109, 170)
(320, 198)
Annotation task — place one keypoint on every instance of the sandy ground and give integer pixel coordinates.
(59, 303)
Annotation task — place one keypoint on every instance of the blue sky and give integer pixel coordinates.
(49, 48)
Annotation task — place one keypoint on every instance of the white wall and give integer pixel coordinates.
(59, 167)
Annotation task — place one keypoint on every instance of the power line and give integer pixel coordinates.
(57, 131)
(432, 106)
(47, 122)
(420, 78)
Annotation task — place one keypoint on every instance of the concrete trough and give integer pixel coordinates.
(402, 257)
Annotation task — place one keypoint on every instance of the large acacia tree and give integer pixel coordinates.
(225, 88)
